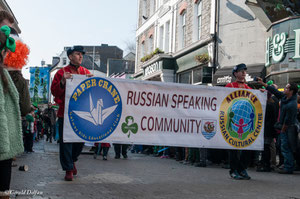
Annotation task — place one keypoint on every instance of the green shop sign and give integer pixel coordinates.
(280, 45)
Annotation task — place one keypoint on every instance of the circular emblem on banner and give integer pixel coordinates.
(240, 118)
(95, 109)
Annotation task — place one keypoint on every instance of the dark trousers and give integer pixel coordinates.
(68, 152)
(5, 174)
(239, 160)
(49, 129)
(28, 142)
(119, 147)
(266, 156)
(105, 151)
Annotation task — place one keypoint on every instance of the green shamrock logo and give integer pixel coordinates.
(129, 126)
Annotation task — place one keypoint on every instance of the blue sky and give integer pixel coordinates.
(48, 26)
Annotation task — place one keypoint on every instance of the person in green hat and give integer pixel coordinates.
(11, 143)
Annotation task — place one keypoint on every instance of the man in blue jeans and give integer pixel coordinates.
(287, 121)
(68, 152)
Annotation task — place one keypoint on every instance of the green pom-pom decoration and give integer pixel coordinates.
(270, 82)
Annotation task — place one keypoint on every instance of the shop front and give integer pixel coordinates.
(161, 68)
(224, 75)
(190, 70)
(283, 52)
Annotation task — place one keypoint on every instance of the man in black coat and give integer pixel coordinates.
(287, 121)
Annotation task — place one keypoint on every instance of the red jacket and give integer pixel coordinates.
(238, 85)
(58, 91)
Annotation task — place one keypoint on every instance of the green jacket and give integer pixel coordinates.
(11, 143)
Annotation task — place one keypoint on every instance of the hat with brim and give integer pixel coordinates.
(238, 68)
(75, 49)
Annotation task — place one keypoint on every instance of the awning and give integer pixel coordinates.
(224, 75)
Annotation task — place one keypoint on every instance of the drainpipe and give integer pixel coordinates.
(213, 32)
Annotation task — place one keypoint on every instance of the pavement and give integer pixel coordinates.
(139, 176)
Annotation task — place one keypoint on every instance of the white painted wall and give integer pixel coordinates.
(241, 37)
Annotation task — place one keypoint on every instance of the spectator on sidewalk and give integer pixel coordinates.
(287, 122)
(11, 143)
(120, 148)
(68, 152)
(29, 133)
(49, 116)
(269, 134)
(103, 146)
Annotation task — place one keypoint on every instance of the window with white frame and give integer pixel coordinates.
(199, 19)
(142, 49)
(198, 75)
(167, 37)
(152, 7)
(144, 10)
(161, 37)
(159, 3)
(183, 29)
(150, 44)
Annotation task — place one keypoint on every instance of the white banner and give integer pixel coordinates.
(170, 114)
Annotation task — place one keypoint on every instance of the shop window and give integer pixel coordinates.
(196, 76)
(185, 78)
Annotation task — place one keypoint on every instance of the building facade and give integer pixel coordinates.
(241, 38)
(175, 41)
(282, 55)
(5, 6)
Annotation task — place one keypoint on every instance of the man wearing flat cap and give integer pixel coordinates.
(238, 160)
(68, 152)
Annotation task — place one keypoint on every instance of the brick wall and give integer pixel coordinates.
(206, 5)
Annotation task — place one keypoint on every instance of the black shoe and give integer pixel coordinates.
(285, 172)
(245, 175)
(125, 156)
(117, 157)
(263, 169)
(104, 158)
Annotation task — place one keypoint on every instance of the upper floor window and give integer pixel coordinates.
(159, 3)
(199, 16)
(150, 44)
(144, 10)
(183, 29)
(161, 37)
(142, 49)
(167, 37)
(152, 7)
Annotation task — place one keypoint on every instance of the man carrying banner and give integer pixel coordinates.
(239, 159)
(287, 123)
(68, 152)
